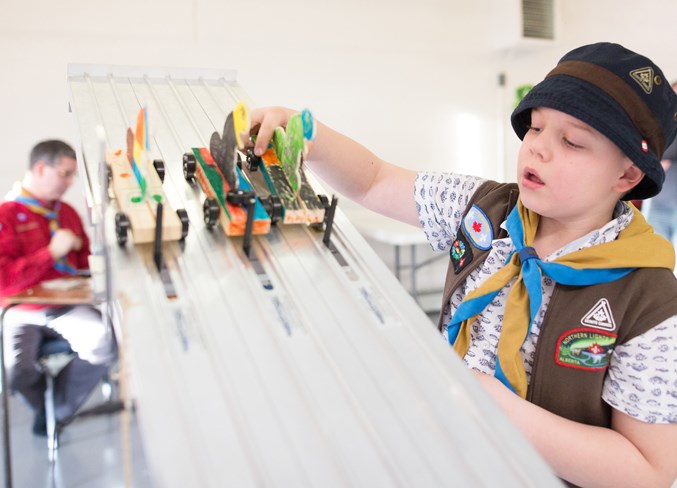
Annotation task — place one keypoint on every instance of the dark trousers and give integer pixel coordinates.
(82, 327)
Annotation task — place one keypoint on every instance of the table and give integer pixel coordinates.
(394, 233)
(332, 377)
(78, 291)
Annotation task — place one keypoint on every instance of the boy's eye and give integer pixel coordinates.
(532, 128)
(572, 144)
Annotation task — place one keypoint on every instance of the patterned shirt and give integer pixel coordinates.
(642, 374)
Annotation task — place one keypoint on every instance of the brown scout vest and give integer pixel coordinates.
(638, 301)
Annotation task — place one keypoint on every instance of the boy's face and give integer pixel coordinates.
(569, 171)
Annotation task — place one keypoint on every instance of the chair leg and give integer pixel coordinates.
(52, 433)
(107, 387)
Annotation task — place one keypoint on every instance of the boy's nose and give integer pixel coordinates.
(541, 146)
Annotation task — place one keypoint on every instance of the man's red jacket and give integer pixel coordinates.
(24, 236)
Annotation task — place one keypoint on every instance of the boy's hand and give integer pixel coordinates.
(263, 124)
(63, 241)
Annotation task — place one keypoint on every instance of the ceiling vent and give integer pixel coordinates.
(523, 23)
(538, 19)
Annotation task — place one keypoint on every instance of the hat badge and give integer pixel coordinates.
(644, 78)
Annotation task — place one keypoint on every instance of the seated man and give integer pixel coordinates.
(42, 238)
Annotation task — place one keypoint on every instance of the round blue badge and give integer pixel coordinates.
(478, 229)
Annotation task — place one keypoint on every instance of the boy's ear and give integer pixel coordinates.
(629, 179)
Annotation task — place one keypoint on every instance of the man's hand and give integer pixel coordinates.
(63, 241)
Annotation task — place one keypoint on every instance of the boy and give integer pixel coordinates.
(559, 296)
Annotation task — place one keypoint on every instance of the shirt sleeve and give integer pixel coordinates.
(71, 220)
(441, 200)
(642, 377)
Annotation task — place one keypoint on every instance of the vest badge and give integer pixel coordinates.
(27, 227)
(460, 253)
(478, 228)
(585, 348)
(600, 316)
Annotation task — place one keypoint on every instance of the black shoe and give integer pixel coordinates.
(40, 423)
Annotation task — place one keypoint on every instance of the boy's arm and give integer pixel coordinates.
(348, 167)
(632, 453)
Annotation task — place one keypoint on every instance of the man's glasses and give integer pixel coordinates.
(65, 174)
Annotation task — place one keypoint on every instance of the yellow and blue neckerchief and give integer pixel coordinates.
(52, 215)
(597, 264)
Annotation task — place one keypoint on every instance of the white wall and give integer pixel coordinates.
(392, 74)
(396, 75)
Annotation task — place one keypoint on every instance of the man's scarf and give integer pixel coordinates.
(636, 247)
(24, 197)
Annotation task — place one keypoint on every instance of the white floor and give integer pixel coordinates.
(91, 452)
